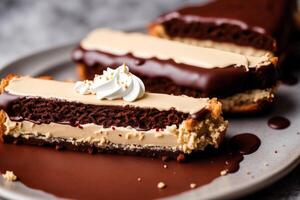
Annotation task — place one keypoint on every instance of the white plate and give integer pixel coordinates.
(265, 166)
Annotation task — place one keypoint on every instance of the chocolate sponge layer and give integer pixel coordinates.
(221, 33)
(40, 110)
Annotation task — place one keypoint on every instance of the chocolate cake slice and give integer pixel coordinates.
(243, 84)
(52, 113)
(253, 27)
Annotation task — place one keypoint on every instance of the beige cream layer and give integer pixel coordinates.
(158, 30)
(244, 50)
(23, 86)
(145, 46)
(183, 138)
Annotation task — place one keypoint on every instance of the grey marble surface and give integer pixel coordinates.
(28, 26)
(31, 25)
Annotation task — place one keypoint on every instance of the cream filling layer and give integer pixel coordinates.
(244, 50)
(185, 138)
(92, 133)
(145, 46)
(23, 86)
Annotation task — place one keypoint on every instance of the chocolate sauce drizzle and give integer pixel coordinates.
(238, 146)
(278, 122)
(103, 171)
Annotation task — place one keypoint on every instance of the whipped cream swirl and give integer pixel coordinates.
(113, 84)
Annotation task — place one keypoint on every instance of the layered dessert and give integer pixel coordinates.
(110, 114)
(251, 27)
(243, 84)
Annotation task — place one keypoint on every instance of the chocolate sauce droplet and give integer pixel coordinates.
(289, 80)
(278, 122)
(233, 162)
(245, 143)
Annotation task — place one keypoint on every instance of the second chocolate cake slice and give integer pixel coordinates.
(243, 83)
(253, 27)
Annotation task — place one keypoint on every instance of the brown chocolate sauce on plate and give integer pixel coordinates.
(289, 80)
(278, 122)
(82, 176)
(245, 143)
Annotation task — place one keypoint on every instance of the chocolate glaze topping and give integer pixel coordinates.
(40, 110)
(278, 122)
(187, 79)
(256, 23)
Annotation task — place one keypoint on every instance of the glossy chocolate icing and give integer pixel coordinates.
(216, 82)
(263, 20)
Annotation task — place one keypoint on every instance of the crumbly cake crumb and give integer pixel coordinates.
(139, 179)
(266, 164)
(164, 158)
(141, 136)
(9, 176)
(165, 166)
(224, 172)
(180, 158)
(161, 185)
(193, 185)
(158, 135)
(48, 135)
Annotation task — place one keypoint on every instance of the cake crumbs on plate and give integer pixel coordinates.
(9, 176)
(193, 185)
(161, 185)
(224, 172)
